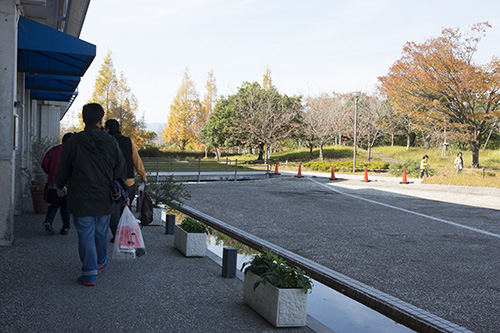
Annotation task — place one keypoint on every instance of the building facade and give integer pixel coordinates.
(41, 63)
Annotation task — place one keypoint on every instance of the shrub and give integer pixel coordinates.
(150, 152)
(412, 168)
(180, 154)
(325, 166)
(168, 192)
(192, 226)
(274, 270)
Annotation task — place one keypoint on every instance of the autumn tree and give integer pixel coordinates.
(438, 84)
(117, 99)
(106, 85)
(184, 111)
(267, 81)
(207, 107)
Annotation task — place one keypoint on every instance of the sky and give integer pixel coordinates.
(311, 47)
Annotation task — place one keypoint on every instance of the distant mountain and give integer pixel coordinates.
(157, 127)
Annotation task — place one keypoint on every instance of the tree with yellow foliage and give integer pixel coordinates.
(185, 109)
(207, 107)
(118, 101)
(267, 81)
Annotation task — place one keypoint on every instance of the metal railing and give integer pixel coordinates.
(160, 166)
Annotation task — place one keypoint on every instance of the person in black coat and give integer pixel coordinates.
(83, 176)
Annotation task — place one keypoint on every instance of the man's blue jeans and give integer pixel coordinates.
(92, 241)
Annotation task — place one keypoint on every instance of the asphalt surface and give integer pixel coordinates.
(161, 291)
(436, 247)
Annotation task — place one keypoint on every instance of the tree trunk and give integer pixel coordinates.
(408, 141)
(369, 144)
(206, 151)
(392, 140)
(261, 151)
(321, 150)
(217, 153)
(311, 146)
(475, 145)
(266, 153)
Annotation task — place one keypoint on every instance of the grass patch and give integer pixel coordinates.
(441, 168)
(468, 177)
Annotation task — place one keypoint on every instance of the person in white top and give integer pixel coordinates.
(459, 162)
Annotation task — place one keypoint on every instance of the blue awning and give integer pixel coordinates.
(48, 95)
(53, 60)
(51, 82)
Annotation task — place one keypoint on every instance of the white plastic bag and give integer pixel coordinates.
(128, 241)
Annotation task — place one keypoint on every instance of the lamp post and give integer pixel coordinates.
(356, 96)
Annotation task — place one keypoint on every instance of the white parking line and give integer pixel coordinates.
(407, 211)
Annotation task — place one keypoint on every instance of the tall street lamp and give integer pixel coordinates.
(356, 96)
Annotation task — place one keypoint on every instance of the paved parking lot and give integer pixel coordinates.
(436, 247)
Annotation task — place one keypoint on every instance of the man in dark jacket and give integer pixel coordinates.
(132, 160)
(89, 189)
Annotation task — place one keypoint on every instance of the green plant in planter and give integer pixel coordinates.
(274, 270)
(190, 225)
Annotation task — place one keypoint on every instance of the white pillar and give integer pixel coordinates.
(50, 116)
(21, 187)
(8, 70)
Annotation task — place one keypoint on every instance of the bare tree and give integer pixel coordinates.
(324, 119)
(374, 119)
(265, 116)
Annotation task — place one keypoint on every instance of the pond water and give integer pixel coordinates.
(333, 309)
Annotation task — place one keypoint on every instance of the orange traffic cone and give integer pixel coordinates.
(404, 181)
(366, 177)
(299, 174)
(333, 175)
(276, 170)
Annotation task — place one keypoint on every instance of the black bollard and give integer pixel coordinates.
(229, 262)
(169, 225)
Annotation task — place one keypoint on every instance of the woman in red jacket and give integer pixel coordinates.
(49, 165)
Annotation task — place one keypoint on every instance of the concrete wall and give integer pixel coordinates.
(8, 75)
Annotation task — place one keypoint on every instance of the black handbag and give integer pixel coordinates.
(117, 190)
(146, 208)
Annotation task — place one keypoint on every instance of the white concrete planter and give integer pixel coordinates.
(281, 307)
(190, 244)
